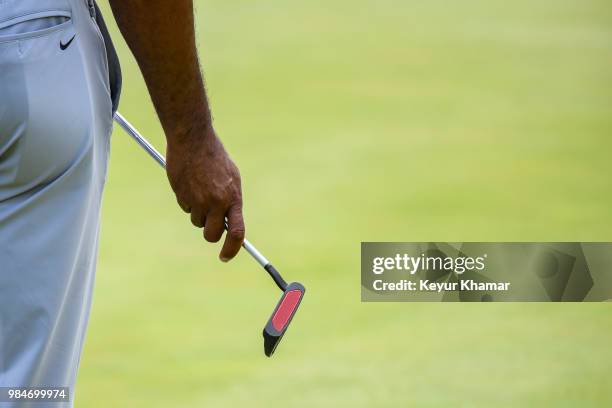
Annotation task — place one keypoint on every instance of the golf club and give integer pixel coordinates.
(292, 293)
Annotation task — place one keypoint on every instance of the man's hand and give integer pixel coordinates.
(206, 182)
(207, 185)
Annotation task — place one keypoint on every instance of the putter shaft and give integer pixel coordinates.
(161, 160)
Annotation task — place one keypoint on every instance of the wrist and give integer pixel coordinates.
(194, 129)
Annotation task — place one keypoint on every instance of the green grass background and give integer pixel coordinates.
(362, 121)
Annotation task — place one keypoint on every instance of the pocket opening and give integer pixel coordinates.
(32, 24)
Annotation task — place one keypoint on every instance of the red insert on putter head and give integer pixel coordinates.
(281, 317)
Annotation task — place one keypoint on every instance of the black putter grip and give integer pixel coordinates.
(278, 279)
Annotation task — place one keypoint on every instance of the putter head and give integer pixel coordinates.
(282, 315)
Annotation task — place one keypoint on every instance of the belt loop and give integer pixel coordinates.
(92, 8)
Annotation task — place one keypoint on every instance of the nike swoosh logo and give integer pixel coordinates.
(64, 46)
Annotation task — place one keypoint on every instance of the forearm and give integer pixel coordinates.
(206, 181)
(161, 36)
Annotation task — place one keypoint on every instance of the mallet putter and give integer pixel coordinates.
(292, 293)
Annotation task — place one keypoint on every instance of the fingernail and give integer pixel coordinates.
(223, 259)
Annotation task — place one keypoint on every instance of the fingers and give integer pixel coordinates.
(197, 217)
(235, 233)
(184, 206)
(215, 224)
